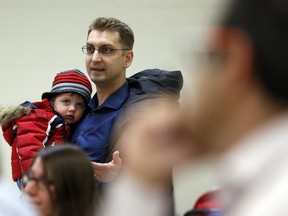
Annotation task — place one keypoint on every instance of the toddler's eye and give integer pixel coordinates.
(80, 106)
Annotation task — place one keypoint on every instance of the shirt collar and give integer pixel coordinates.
(114, 101)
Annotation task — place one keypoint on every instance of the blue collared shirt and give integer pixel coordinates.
(93, 132)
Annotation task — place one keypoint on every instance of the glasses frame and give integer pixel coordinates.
(26, 178)
(100, 50)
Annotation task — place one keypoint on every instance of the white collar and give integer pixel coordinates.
(244, 160)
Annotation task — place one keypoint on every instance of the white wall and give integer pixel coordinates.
(39, 38)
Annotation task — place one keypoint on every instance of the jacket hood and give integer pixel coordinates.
(10, 113)
(155, 81)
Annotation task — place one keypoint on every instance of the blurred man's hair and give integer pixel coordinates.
(266, 23)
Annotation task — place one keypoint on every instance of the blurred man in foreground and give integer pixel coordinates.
(241, 112)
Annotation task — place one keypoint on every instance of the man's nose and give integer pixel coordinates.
(96, 56)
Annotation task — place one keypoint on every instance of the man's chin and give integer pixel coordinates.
(97, 79)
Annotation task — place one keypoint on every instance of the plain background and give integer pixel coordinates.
(39, 38)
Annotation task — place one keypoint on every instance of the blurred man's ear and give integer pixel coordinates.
(236, 46)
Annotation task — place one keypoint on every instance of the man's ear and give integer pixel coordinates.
(238, 48)
(128, 58)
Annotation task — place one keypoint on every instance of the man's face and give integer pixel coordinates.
(210, 109)
(107, 70)
(226, 87)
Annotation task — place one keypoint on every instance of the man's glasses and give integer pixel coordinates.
(38, 181)
(103, 50)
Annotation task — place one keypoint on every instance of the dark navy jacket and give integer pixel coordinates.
(144, 85)
(96, 133)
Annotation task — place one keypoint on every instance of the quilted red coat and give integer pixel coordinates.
(29, 133)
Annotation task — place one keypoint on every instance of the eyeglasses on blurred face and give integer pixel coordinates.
(39, 182)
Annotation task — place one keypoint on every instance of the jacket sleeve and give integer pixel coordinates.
(32, 133)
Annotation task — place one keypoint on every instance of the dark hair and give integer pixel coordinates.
(111, 24)
(73, 178)
(266, 23)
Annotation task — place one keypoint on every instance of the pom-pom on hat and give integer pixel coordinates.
(70, 81)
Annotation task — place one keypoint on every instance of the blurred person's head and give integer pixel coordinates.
(244, 80)
(149, 140)
(265, 24)
(61, 182)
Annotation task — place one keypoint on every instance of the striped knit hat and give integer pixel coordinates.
(73, 81)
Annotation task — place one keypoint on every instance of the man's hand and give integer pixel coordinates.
(106, 172)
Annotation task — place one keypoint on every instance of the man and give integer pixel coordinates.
(241, 110)
(108, 54)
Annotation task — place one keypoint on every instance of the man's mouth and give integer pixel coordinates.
(97, 69)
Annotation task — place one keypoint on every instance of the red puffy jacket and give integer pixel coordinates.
(29, 133)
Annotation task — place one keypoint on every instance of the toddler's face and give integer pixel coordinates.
(70, 106)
